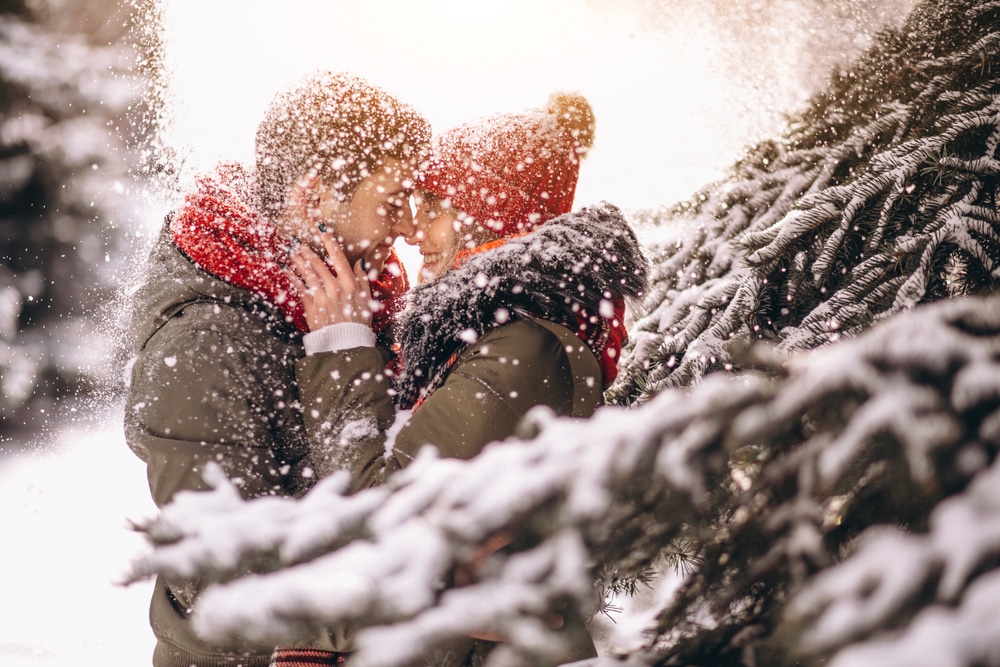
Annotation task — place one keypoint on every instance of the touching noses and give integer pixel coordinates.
(416, 231)
(406, 224)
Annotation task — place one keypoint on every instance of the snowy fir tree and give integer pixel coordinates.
(66, 85)
(808, 419)
(880, 197)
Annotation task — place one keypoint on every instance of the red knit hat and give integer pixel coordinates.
(512, 172)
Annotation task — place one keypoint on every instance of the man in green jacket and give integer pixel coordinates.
(221, 371)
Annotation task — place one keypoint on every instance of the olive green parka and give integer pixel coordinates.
(219, 376)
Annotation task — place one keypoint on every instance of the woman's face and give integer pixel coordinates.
(437, 233)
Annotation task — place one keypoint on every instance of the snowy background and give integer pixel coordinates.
(678, 89)
(65, 503)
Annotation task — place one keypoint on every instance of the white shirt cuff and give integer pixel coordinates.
(337, 337)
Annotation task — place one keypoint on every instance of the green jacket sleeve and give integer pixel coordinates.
(212, 386)
(490, 387)
(347, 411)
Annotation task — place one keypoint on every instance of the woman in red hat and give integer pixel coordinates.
(490, 208)
(521, 301)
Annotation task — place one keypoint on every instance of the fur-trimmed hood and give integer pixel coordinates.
(581, 262)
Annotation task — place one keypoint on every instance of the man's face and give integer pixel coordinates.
(367, 224)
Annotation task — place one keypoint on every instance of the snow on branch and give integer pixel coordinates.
(812, 239)
(890, 572)
(578, 490)
(769, 478)
(862, 435)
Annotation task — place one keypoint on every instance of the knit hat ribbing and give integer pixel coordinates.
(512, 172)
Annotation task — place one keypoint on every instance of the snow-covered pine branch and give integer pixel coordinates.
(889, 576)
(591, 488)
(869, 432)
(771, 478)
(882, 196)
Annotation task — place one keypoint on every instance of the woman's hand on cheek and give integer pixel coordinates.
(331, 291)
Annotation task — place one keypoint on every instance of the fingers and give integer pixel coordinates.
(362, 278)
(297, 283)
(309, 265)
(332, 275)
(312, 277)
(317, 288)
(331, 291)
(356, 280)
(335, 256)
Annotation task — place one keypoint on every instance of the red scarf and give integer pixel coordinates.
(219, 230)
(604, 334)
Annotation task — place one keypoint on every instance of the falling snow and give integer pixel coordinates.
(912, 396)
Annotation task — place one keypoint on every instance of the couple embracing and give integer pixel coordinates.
(276, 333)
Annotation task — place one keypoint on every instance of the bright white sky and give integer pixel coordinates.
(670, 117)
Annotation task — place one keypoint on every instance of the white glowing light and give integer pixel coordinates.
(664, 126)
